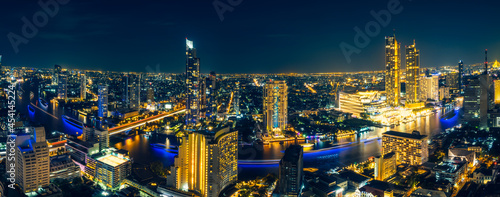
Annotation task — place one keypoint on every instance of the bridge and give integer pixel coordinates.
(129, 126)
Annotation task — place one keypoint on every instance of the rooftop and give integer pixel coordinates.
(406, 135)
(112, 160)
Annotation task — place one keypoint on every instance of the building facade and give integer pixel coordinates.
(291, 172)
(392, 71)
(275, 107)
(192, 84)
(411, 149)
(62, 86)
(102, 100)
(385, 166)
(429, 88)
(412, 73)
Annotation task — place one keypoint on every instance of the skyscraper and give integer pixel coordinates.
(275, 107)
(102, 99)
(32, 161)
(412, 73)
(131, 91)
(497, 91)
(460, 77)
(55, 74)
(452, 81)
(291, 172)
(210, 92)
(207, 162)
(83, 86)
(236, 103)
(151, 95)
(192, 84)
(392, 69)
(62, 86)
(472, 93)
(485, 86)
(429, 88)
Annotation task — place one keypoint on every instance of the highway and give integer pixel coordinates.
(128, 126)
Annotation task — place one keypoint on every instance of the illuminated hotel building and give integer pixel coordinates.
(275, 107)
(83, 86)
(392, 69)
(497, 91)
(192, 84)
(412, 73)
(429, 88)
(102, 100)
(385, 166)
(112, 168)
(62, 86)
(32, 161)
(411, 149)
(207, 162)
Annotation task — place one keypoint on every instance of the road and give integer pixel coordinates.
(128, 126)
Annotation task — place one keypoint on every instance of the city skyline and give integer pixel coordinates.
(80, 39)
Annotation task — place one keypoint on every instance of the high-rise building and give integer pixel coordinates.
(131, 91)
(385, 166)
(275, 107)
(112, 168)
(460, 77)
(291, 174)
(102, 100)
(55, 74)
(392, 71)
(444, 93)
(207, 162)
(192, 84)
(151, 95)
(83, 86)
(452, 81)
(484, 99)
(429, 88)
(497, 91)
(236, 103)
(411, 149)
(472, 93)
(210, 93)
(412, 73)
(62, 86)
(32, 161)
(97, 135)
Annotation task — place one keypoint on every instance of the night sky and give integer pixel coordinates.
(258, 36)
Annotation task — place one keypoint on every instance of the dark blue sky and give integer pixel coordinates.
(258, 36)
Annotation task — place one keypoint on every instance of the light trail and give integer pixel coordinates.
(230, 102)
(44, 111)
(139, 123)
(310, 88)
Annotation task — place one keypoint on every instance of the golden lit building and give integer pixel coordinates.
(497, 91)
(411, 149)
(207, 162)
(111, 169)
(275, 107)
(412, 73)
(392, 69)
(452, 80)
(368, 102)
(429, 88)
(385, 166)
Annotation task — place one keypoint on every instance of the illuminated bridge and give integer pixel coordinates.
(129, 126)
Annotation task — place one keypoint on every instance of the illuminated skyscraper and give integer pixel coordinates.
(291, 174)
(55, 74)
(429, 88)
(32, 161)
(151, 95)
(392, 69)
(385, 166)
(484, 99)
(472, 101)
(62, 86)
(460, 77)
(497, 91)
(412, 73)
(207, 162)
(210, 92)
(275, 107)
(131, 91)
(452, 81)
(236, 103)
(102, 99)
(192, 84)
(83, 86)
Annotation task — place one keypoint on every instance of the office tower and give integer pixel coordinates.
(412, 73)
(151, 95)
(102, 100)
(392, 69)
(32, 161)
(131, 91)
(55, 74)
(210, 92)
(236, 103)
(429, 88)
(275, 107)
(83, 86)
(411, 149)
(291, 172)
(484, 101)
(452, 81)
(385, 166)
(460, 77)
(62, 87)
(192, 84)
(497, 92)
(472, 94)
(207, 162)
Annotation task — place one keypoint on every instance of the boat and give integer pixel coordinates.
(31, 109)
(32, 95)
(75, 123)
(306, 145)
(43, 103)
